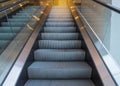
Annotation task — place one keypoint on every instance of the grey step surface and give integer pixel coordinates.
(59, 70)
(33, 82)
(14, 24)
(60, 36)
(60, 29)
(59, 16)
(59, 55)
(60, 44)
(24, 15)
(62, 24)
(16, 20)
(4, 43)
(59, 20)
(7, 36)
(9, 29)
(21, 17)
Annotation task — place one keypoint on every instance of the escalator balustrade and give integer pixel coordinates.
(14, 24)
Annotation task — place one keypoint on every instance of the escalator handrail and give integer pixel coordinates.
(11, 5)
(109, 6)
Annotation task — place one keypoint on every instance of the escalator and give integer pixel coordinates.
(60, 59)
(15, 23)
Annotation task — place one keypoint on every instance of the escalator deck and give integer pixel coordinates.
(59, 61)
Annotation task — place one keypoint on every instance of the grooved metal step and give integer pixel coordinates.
(60, 36)
(7, 36)
(36, 82)
(59, 20)
(58, 44)
(4, 43)
(60, 29)
(60, 24)
(10, 29)
(59, 70)
(59, 55)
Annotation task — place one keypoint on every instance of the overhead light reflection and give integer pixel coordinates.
(35, 17)
(29, 27)
(20, 5)
(76, 17)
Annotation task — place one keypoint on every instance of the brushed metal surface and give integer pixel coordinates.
(99, 64)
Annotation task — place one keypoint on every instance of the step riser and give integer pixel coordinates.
(48, 44)
(54, 16)
(59, 20)
(53, 24)
(3, 43)
(72, 82)
(60, 36)
(59, 70)
(58, 74)
(61, 55)
(60, 29)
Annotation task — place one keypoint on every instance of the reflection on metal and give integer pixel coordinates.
(29, 27)
(73, 10)
(11, 8)
(41, 3)
(71, 7)
(20, 5)
(36, 18)
(47, 4)
(77, 17)
(82, 27)
(42, 12)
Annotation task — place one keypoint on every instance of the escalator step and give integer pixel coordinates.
(59, 83)
(21, 17)
(17, 20)
(24, 15)
(59, 16)
(61, 24)
(9, 29)
(58, 44)
(7, 36)
(59, 55)
(60, 29)
(60, 36)
(16, 24)
(59, 20)
(59, 70)
(4, 43)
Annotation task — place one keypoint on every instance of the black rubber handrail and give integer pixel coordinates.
(8, 6)
(108, 6)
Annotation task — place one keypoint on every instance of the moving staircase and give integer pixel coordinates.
(14, 24)
(60, 60)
